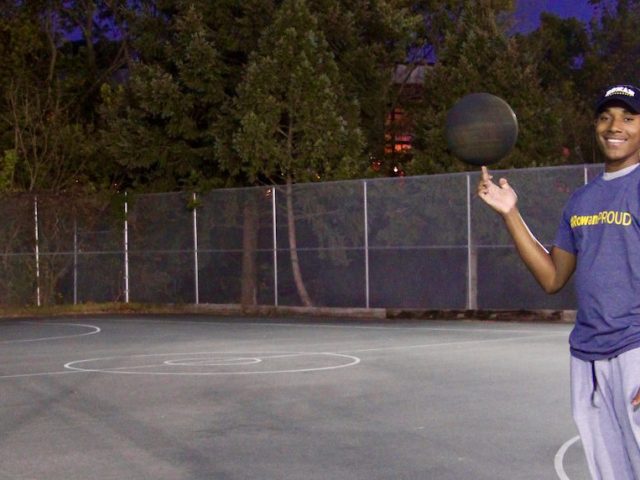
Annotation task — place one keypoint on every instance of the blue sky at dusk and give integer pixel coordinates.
(528, 11)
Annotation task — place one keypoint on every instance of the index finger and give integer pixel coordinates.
(485, 174)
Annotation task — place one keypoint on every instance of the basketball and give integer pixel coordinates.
(481, 129)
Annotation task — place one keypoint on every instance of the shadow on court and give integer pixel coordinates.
(203, 398)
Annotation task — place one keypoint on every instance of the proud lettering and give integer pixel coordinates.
(607, 217)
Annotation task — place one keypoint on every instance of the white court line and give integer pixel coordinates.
(94, 329)
(120, 370)
(448, 344)
(559, 458)
(39, 374)
(461, 329)
(71, 366)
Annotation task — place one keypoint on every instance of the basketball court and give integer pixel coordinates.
(159, 397)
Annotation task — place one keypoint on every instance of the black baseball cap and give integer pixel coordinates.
(627, 94)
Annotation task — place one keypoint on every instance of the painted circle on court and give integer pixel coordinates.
(216, 363)
(213, 361)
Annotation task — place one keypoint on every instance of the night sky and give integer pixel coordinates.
(528, 11)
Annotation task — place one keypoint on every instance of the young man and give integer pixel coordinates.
(598, 239)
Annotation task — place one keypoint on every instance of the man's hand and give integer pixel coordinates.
(636, 400)
(502, 198)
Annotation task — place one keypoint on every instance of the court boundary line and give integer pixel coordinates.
(449, 344)
(37, 374)
(397, 326)
(95, 331)
(558, 461)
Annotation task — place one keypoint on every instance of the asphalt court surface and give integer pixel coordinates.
(196, 397)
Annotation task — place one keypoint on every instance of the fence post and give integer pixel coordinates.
(126, 248)
(195, 249)
(37, 248)
(366, 244)
(75, 261)
(275, 246)
(472, 257)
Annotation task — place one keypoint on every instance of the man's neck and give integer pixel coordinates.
(609, 175)
(613, 166)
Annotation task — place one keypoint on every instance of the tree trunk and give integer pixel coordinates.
(293, 248)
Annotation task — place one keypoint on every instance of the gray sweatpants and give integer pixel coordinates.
(609, 427)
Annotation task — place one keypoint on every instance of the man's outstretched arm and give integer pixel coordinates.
(552, 270)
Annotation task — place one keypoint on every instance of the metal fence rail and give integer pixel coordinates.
(413, 242)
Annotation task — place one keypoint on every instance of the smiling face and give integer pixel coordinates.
(618, 136)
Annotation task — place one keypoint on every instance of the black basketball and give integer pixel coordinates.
(481, 129)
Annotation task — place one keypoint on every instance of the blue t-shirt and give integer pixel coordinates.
(601, 226)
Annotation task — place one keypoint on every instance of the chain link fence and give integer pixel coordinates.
(412, 242)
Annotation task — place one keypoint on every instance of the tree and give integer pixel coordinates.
(295, 124)
(615, 45)
(368, 40)
(55, 57)
(159, 125)
(558, 49)
(441, 17)
(44, 139)
(479, 56)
